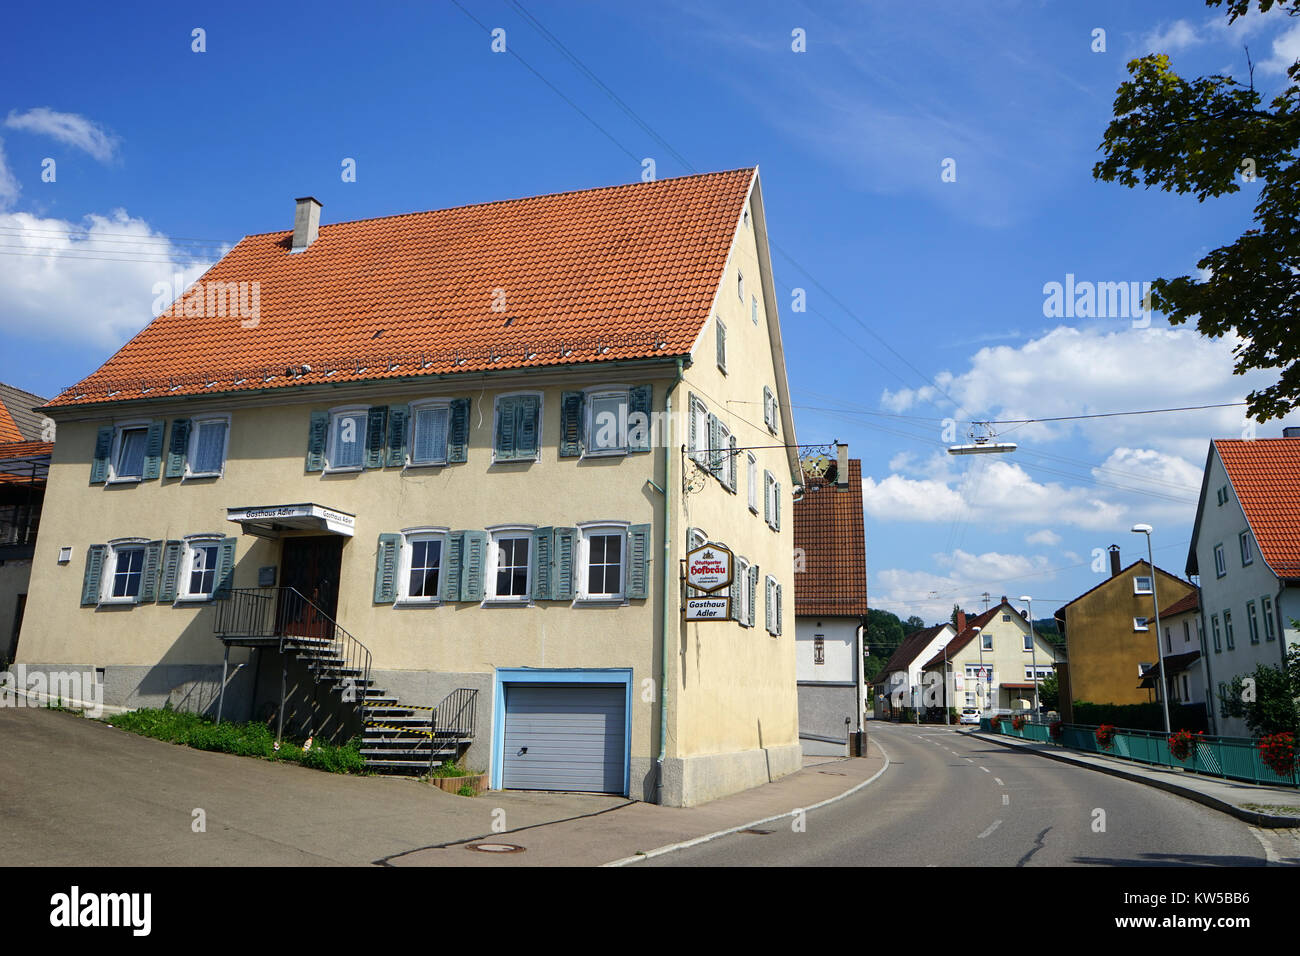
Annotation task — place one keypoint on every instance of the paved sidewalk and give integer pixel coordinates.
(1229, 796)
(638, 830)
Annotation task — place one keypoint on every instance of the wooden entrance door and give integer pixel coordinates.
(310, 566)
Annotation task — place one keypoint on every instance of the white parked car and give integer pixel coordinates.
(969, 715)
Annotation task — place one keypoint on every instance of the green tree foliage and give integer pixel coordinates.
(1274, 709)
(1049, 692)
(913, 623)
(884, 633)
(1209, 136)
(956, 609)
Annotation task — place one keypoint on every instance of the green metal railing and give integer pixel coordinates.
(1232, 758)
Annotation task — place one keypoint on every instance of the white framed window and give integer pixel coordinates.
(1029, 643)
(1140, 624)
(1187, 633)
(1142, 584)
(1247, 554)
(1222, 496)
(770, 590)
(606, 427)
(209, 438)
(753, 309)
(1266, 604)
(722, 345)
(1252, 624)
(198, 578)
(130, 443)
(1169, 642)
(700, 417)
(751, 468)
(123, 571)
(429, 424)
(346, 447)
(769, 491)
(740, 285)
(602, 550)
(1227, 630)
(421, 572)
(1220, 562)
(1214, 627)
(725, 458)
(986, 640)
(1006, 618)
(742, 609)
(1187, 693)
(769, 409)
(509, 570)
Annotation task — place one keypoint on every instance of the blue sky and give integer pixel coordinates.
(925, 297)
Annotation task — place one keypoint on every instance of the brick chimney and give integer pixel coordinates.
(961, 621)
(1114, 559)
(306, 222)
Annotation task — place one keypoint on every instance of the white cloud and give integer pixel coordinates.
(81, 282)
(1046, 536)
(69, 128)
(9, 187)
(965, 577)
(1286, 50)
(1173, 37)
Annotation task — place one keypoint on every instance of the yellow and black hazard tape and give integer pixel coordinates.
(406, 730)
(405, 706)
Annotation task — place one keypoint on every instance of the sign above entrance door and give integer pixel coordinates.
(269, 521)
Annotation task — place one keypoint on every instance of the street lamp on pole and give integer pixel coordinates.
(1033, 654)
(983, 688)
(1155, 602)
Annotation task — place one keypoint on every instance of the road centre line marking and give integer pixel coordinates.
(986, 769)
(996, 824)
(999, 780)
(1006, 799)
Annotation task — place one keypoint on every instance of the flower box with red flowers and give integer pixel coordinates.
(1182, 744)
(1105, 736)
(1018, 723)
(1278, 751)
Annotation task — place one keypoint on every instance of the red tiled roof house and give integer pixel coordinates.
(435, 459)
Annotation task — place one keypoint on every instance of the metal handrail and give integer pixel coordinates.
(448, 722)
(286, 614)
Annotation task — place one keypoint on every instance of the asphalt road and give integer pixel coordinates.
(952, 800)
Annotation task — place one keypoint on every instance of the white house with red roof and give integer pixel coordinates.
(431, 477)
(1246, 549)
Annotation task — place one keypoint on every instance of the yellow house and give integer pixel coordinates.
(1110, 635)
(441, 470)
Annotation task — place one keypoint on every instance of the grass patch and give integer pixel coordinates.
(467, 791)
(252, 739)
(1276, 809)
(451, 769)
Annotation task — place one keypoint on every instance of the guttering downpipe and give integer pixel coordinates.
(667, 585)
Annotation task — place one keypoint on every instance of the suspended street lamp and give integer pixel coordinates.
(982, 442)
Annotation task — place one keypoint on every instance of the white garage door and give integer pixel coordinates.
(564, 737)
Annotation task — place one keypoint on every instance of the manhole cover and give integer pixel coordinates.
(495, 847)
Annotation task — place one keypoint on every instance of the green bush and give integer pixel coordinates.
(253, 739)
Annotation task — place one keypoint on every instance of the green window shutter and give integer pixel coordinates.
(767, 605)
(543, 570)
(722, 343)
(171, 569)
(733, 592)
(565, 555)
(458, 431)
(225, 568)
(386, 561)
(776, 507)
(376, 431)
(639, 398)
(767, 406)
(451, 563)
(691, 443)
(778, 610)
(103, 448)
(320, 424)
(95, 555)
(503, 434)
(528, 425)
(153, 450)
(767, 497)
(753, 593)
(571, 404)
(715, 446)
(473, 557)
(149, 573)
(398, 416)
(638, 561)
(177, 449)
(731, 463)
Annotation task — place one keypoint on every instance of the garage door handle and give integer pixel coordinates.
(522, 751)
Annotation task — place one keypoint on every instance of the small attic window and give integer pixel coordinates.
(740, 285)
(745, 218)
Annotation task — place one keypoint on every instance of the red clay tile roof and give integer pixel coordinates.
(965, 637)
(1265, 474)
(828, 527)
(8, 429)
(631, 270)
(25, 449)
(1189, 602)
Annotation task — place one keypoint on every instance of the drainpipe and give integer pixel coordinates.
(668, 584)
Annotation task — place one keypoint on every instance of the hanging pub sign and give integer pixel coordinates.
(708, 609)
(709, 568)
